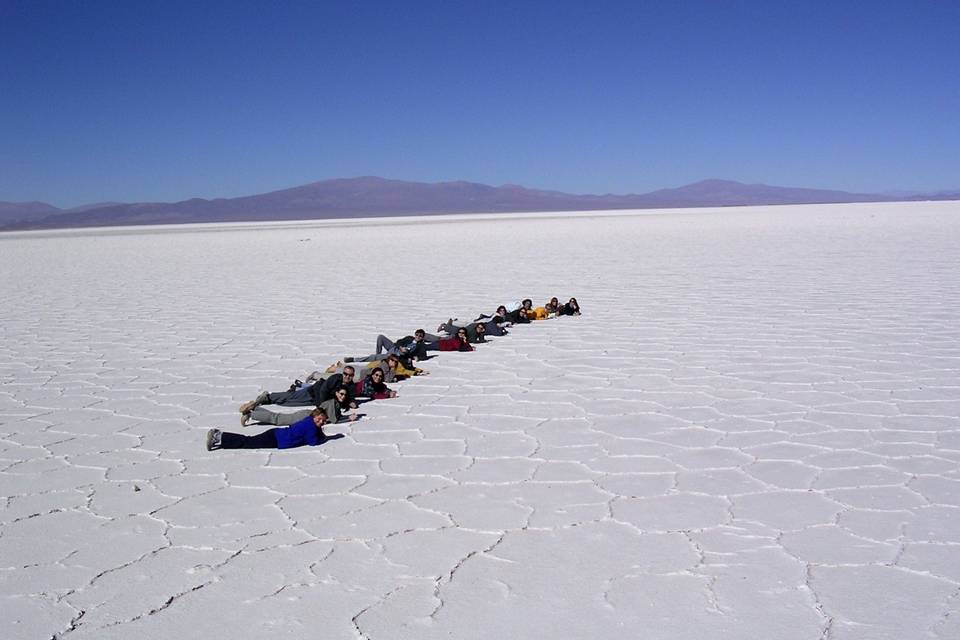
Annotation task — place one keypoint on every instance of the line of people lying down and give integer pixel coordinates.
(342, 386)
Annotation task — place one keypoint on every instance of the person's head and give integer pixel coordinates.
(419, 335)
(377, 375)
(348, 373)
(481, 329)
(501, 310)
(392, 361)
(319, 417)
(522, 312)
(462, 334)
(554, 302)
(528, 304)
(573, 303)
(341, 395)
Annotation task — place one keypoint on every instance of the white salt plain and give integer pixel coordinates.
(752, 432)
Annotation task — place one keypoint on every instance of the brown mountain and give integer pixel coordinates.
(371, 196)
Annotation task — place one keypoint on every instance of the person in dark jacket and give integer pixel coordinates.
(417, 350)
(334, 408)
(411, 346)
(407, 347)
(476, 331)
(387, 346)
(308, 431)
(314, 394)
(500, 317)
(571, 308)
(520, 314)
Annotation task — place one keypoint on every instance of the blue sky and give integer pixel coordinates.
(161, 101)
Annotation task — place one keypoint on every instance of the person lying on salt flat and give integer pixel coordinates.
(395, 368)
(519, 312)
(405, 346)
(500, 316)
(549, 310)
(571, 308)
(373, 387)
(458, 342)
(476, 331)
(411, 347)
(308, 395)
(308, 431)
(333, 407)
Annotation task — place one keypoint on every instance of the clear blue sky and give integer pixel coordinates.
(137, 101)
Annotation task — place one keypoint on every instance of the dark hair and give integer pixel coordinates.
(346, 401)
(375, 369)
(526, 301)
(419, 332)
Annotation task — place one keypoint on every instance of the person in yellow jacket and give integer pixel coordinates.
(401, 370)
(548, 310)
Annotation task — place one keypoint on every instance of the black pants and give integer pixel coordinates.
(265, 440)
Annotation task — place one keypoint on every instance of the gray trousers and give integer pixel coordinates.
(386, 344)
(373, 357)
(279, 418)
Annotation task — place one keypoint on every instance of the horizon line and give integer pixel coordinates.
(893, 192)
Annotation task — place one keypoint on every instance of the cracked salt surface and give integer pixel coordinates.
(753, 431)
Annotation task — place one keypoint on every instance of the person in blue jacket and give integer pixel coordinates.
(307, 431)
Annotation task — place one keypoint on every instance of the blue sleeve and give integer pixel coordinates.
(312, 436)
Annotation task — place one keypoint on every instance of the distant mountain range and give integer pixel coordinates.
(371, 196)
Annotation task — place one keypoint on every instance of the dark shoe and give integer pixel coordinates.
(213, 439)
